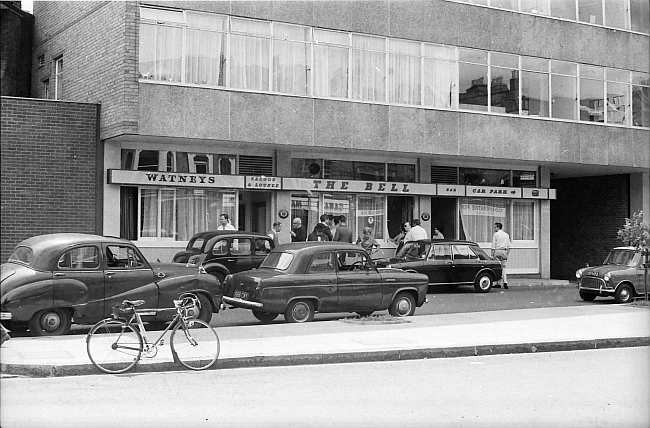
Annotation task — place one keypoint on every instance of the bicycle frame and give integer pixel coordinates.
(148, 346)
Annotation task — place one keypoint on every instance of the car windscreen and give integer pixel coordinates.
(23, 255)
(277, 260)
(623, 258)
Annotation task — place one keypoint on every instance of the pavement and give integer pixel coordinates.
(348, 340)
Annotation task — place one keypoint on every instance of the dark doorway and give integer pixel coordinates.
(444, 215)
(400, 210)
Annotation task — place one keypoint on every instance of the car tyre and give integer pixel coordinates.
(587, 297)
(205, 313)
(483, 283)
(265, 317)
(299, 311)
(624, 294)
(220, 277)
(403, 305)
(50, 322)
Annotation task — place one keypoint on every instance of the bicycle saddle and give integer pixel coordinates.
(133, 302)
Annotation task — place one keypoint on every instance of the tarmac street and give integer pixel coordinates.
(327, 342)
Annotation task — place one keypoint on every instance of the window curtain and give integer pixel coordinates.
(404, 72)
(477, 218)
(198, 210)
(368, 68)
(250, 55)
(523, 221)
(167, 220)
(291, 59)
(371, 213)
(331, 64)
(205, 58)
(129, 213)
(161, 52)
(148, 213)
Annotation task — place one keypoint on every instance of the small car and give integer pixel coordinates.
(224, 252)
(448, 262)
(620, 276)
(302, 278)
(50, 281)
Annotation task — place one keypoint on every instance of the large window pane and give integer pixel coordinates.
(484, 177)
(563, 9)
(592, 100)
(160, 52)
(477, 218)
(371, 213)
(472, 86)
(149, 213)
(535, 6)
(618, 103)
(640, 99)
(404, 72)
(331, 63)
(350, 170)
(291, 59)
(250, 54)
(306, 208)
(523, 221)
(504, 86)
(205, 58)
(401, 172)
(368, 68)
(534, 94)
(563, 97)
(338, 205)
(440, 76)
(640, 13)
(590, 11)
(616, 14)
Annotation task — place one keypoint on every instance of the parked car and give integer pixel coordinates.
(50, 281)
(620, 276)
(302, 278)
(448, 262)
(224, 252)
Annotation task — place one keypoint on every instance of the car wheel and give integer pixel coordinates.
(587, 297)
(403, 305)
(265, 317)
(50, 322)
(205, 313)
(299, 311)
(624, 294)
(483, 283)
(365, 313)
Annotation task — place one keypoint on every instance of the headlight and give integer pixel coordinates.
(607, 276)
(193, 261)
(579, 273)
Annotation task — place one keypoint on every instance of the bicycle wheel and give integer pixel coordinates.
(195, 345)
(114, 346)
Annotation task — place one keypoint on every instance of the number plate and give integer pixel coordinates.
(241, 295)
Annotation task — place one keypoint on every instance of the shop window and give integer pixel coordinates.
(306, 168)
(477, 218)
(401, 172)
(523, 221)
(484, 177)
(147, 160)
(524, 179)
(201, 164)
(350, 170)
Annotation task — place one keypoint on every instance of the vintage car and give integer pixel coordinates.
(448, 262)
(620, 276)
(224, 252)
(302, 278)
(52, 280)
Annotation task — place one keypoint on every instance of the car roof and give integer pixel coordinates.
(446, 241)
(208, 234)
(316, 246)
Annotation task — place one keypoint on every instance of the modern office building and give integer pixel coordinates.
(458, 113)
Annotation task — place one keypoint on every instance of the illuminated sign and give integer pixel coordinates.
(178, 179)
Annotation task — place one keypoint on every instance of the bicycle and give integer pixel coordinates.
(115, 346)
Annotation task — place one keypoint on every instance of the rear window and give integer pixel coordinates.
(22, 255)
(278, 260)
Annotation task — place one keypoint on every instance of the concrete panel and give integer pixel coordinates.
(506, 139)
(293, 121)
(474, 135)
(536, 38)
(427, 21)
(370, 126)
(593, 145)
(441, 131)
(618, 53)
(332, 124)
(568, 136)
(591, 42)
(473, 26)
(370, 17)
(642, 149)
(639, 47)
(257, 8)
(161, 110)
(406, 130)
(560, 40)
(535, 142)
(251, 117)
(298, 12)
(620, 146)
(505, 32)
(206, 113)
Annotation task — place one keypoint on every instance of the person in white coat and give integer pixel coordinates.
(500, 251)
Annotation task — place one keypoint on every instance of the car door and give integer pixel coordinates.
(78, 280)
(360, 285)
(466, 264)
(127, 275)
(240, 255)
(320, 281)
(438, 265)
(263, 247)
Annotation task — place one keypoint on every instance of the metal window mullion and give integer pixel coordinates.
(271, 50)
(349, 76)
(520, 77)
(489, 82)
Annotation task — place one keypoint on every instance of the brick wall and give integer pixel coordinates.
(584, 220)
(16, 29)
(48, 169)
(99, 45)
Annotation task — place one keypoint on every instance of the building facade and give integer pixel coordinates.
(456, 113)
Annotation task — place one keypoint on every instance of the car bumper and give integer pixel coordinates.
(240, 303)
(5, 316)
(596, 286)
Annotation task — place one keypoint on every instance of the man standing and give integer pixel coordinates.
(416, 233)
(343, 232)
(224, 223)
(298, 233)
(274, 233)
(325, 221)
(500, 251)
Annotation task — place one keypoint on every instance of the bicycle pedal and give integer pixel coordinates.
(162, 342)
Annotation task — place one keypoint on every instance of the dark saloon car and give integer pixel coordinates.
(448, 262)
(50, 281)
(225, 251)
(302, 278)
(620, 276)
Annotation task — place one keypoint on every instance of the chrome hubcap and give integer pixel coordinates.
(300, 312)
(403, 307)
(51, 322)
